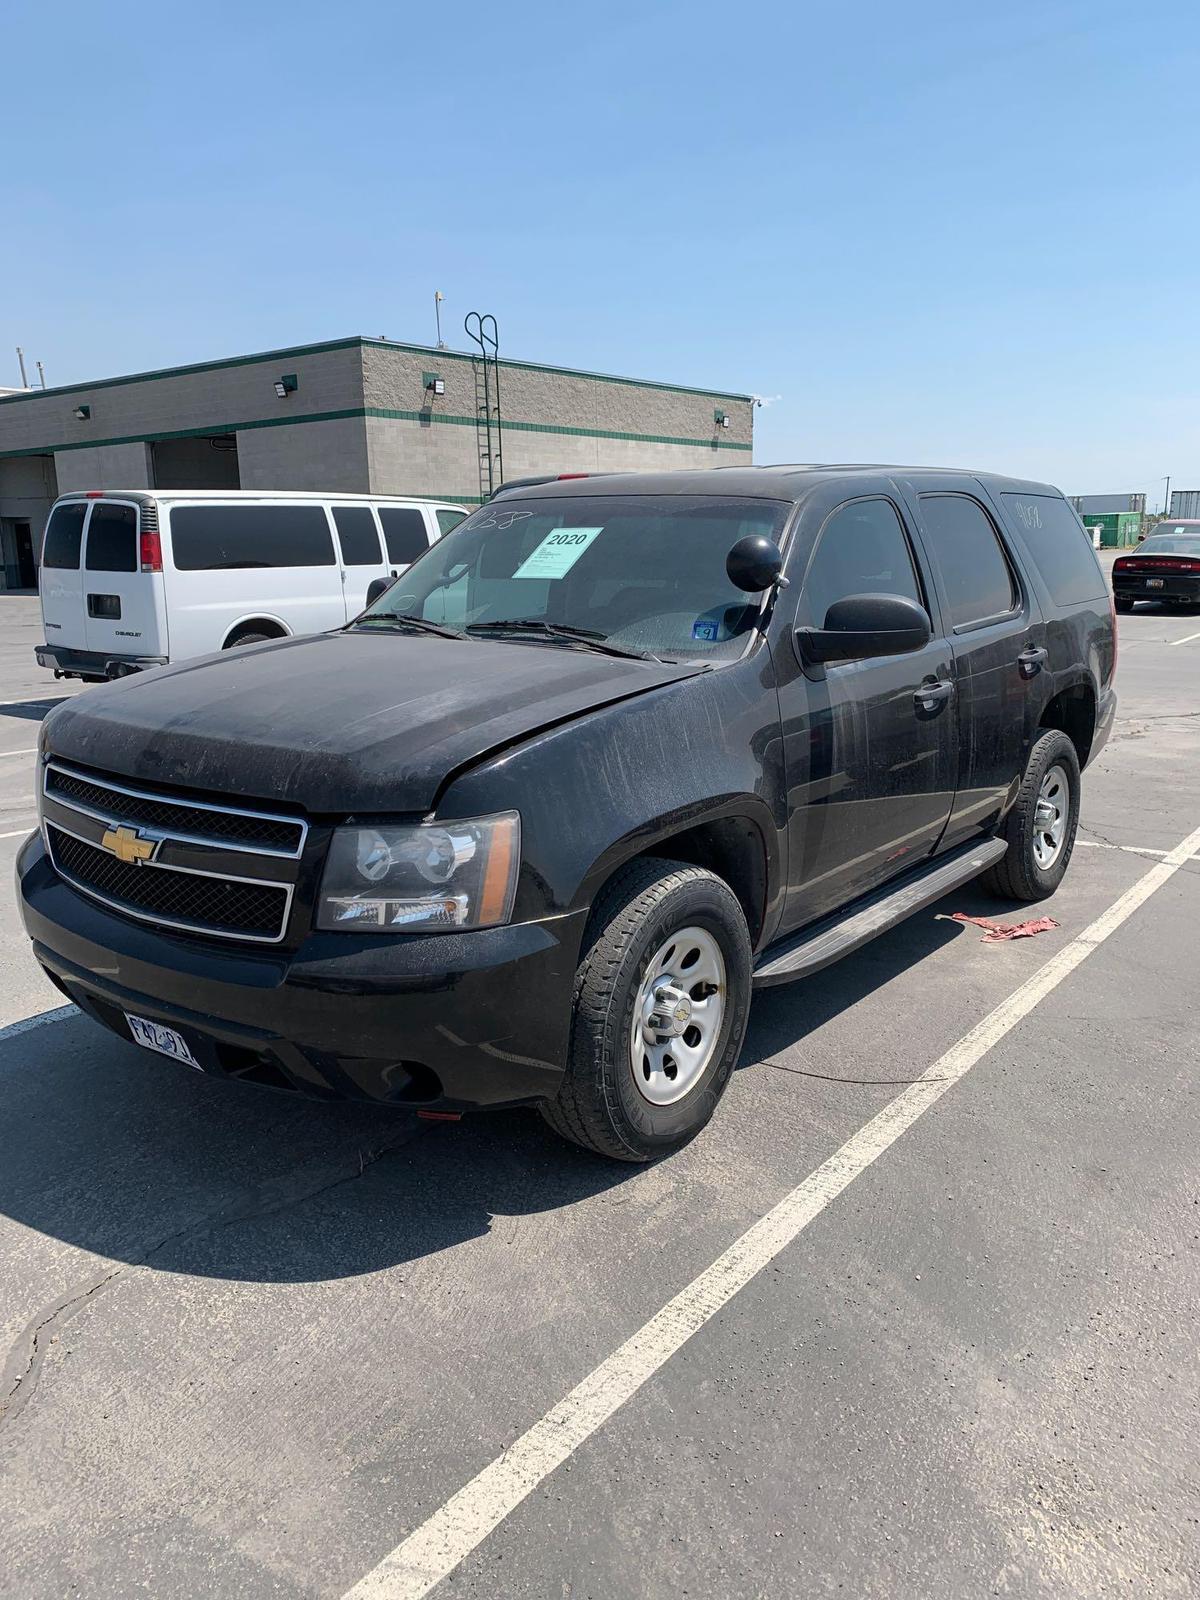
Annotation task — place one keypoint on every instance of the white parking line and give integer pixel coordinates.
(1188, 640)
(19, 833)
(433, 1550)
(4, 754)
(1103, 844)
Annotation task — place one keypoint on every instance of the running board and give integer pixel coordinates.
(808, 951)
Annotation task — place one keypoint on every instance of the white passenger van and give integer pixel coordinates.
(135, 578)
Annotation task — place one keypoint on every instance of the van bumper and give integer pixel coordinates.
(453, 1021)
(67, 663)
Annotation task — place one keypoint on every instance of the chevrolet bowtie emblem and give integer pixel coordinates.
(128, 845)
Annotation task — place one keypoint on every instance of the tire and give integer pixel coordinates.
(1123, 602)
(249, 638)
(602, 1104)
(1021, 875)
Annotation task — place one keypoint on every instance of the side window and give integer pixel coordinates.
(223, 538)
(862, 550)
(63, 533)
(112, 539)
(1061, 550)
(356, 530)
(447, 519)
(403, 533)
(978, 578)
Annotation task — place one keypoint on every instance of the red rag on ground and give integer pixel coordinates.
(996, 931)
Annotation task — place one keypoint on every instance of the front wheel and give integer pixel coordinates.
(661, 1001)
(1040, 828)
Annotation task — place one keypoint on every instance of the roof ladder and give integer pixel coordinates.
(482, 332)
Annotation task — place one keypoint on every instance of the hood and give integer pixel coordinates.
(340, 722)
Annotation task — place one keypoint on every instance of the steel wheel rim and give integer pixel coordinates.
(1050, 816)
(677, 1016)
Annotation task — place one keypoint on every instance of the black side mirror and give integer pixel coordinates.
(754, 563)
(866, 625)
(376, 587)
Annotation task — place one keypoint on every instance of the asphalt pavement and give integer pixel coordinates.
(255, 1347)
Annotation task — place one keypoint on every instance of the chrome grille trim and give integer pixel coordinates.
(224, 851)
(213, 841)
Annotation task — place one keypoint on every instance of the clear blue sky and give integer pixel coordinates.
(937, 231)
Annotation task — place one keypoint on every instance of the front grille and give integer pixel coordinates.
(187, 899)
(276, 834)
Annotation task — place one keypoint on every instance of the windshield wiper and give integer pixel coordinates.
(566, 631)
(420, 624)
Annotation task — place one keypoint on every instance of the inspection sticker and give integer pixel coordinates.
(557, 553)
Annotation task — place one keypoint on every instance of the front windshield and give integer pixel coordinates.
(645, 573)
(1180, 543)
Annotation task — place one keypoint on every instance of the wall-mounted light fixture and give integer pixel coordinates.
(82, 413)
(286, 385)
(721, 418)
(433, 384)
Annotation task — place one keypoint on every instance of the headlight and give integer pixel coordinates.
(435, 875)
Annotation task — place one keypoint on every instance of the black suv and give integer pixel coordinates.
(612, 755)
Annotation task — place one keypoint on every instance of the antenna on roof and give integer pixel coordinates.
(42, 374)
(438, 297)
(21, 364)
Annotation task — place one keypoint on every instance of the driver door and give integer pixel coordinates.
(869, 746)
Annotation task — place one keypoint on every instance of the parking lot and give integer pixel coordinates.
(254, 1346)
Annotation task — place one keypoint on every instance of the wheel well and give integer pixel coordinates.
(732, 847)
(265, 625)
(1073, 712)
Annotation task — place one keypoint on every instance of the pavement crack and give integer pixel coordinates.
(30, 1348)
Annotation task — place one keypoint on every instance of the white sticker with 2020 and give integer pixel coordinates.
(557, 553)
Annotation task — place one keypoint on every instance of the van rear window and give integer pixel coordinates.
(223, 538)
(112, 539)
(1058, 545)
(63, 531)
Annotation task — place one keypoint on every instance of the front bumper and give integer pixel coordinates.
(454, 1021)
(67, 663)
(1175, 586)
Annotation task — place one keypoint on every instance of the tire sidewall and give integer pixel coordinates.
(1052, 749)
(704, 903)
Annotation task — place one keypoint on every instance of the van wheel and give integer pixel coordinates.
(1040, 828)
(661, 1001)
(248, 638)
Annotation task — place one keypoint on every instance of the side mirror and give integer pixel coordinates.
(866, 625)
(755, 563)
(376, 587)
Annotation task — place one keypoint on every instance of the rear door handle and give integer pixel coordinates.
(933, 693)
(1031, 660)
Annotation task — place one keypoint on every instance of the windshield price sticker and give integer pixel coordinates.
(557, 553)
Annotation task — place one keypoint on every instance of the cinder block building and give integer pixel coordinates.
(359, 415)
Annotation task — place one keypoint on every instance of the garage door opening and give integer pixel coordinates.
(206, 463)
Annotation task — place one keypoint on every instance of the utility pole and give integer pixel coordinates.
(1167, 496)
(21, 364)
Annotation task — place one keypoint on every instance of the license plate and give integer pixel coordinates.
(1154, 583)
(165, 1040)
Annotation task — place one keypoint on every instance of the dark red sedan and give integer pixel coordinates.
(1165, 567)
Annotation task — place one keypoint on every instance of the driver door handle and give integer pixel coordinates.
(933, 693)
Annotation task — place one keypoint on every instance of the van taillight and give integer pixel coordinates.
(151, 551)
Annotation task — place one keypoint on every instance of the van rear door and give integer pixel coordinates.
(122, 603)
(60, 579)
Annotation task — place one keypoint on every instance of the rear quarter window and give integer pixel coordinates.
(1058, 546)
(222, 538)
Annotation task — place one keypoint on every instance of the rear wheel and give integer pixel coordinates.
(1040, 828)
(253, 636)
(662, 996)
(1123, 602)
